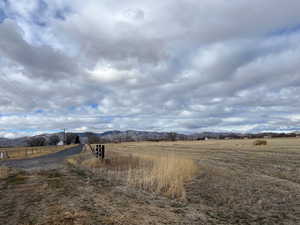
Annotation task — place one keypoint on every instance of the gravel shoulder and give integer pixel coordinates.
(50, 161)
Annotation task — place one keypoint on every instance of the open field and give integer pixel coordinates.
(235, 183)
(239, 181)
(28, 152)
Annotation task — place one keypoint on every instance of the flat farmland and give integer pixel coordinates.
(214, 182)
(237, 183)
(280, 158)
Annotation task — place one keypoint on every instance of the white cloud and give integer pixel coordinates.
(108, 74)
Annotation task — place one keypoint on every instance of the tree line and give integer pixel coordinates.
(71, 138)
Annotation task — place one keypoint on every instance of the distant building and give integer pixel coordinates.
(206, 139)
(267, 136)
(60, 143)
(3, 155)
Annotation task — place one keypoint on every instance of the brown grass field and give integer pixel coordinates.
(201, 182)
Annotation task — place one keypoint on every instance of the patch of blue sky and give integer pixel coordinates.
(3, 15)
(38, 16)
(42, 6)
(62, 13)
(27, 130)
(39, 111)
(6, 10)
(285, 31)
(53, 131)
(10, 114)
(3, 3)
(107, 119)
(93, 105)
(33, 130)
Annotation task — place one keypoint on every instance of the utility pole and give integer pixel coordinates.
(65, 139)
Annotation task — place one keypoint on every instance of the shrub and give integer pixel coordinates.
(70, 138)
(53, 140)
(260, 142)
(37, 141)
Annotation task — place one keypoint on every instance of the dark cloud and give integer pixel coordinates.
(38, 61)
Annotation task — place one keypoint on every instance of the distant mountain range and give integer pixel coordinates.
(133, 135)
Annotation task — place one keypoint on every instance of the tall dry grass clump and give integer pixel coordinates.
(167, 175)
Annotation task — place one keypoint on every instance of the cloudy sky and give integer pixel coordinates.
(172, 65)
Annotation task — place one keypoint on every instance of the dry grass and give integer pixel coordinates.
(165, 175)
(28, 152)
(5, 172)
(237, 183)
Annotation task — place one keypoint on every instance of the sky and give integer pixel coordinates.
(174, 65)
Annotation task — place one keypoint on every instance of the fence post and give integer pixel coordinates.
(102, 151)
(98, 151)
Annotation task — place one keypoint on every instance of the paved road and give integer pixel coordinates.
(50, 161)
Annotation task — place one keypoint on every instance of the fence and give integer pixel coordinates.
(98, 150)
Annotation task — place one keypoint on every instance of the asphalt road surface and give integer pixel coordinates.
(50, 161)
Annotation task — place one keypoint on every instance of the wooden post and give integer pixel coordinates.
(103, 151)
(97, 151)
